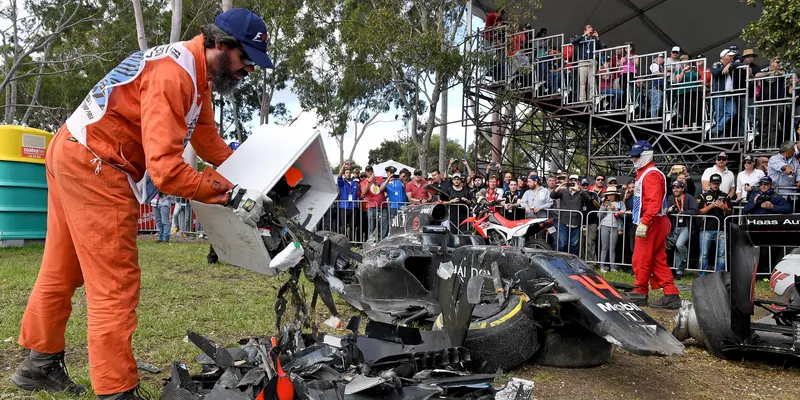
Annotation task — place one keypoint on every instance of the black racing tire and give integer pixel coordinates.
(504, 340)
(572, 346)
(534, 243)
(711, 295)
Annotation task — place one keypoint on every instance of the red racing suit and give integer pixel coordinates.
(650, 254)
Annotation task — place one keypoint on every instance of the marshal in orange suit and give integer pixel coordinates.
(135, 122)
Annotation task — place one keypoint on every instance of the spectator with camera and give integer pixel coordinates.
(460, 199)
(395, 191)
(766, 201)
(591, 218)
(679, 207)
(747, 181)
(612, 221)
(715, 203)
(679, 172)
(585, 46)
(574, 200)
(348, 195)
(782, 167)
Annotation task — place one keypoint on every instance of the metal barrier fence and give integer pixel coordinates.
(181, 217)
(646, 88)
(361, 223)
(577, 76)
(770, 112)
(690, 247)
(147, 219)
(547, 65)
(684, 106)
(612, 75)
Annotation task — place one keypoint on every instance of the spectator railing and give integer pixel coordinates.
(728, 101)
(645, 91)
(611, 79)
(560, 239)
(685, 96)
(577, 76)
(791, 194)
(623, 244)
(352, 223)
(493, 46)
(547, 64)
(520, 69)
(771, 113)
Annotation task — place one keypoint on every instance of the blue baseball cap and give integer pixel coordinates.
(249, 29)
(640, 147)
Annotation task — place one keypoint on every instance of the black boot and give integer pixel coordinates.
(669, 301)
(137, 393)
(212, 255)
(45, 372)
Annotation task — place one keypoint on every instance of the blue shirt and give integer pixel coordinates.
(348, 191)
(396, 193)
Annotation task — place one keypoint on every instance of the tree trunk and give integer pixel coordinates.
(227, 5)
(236, 122)
(11, 94)
(38, 87)
(177, 18)
(140, 35)
(443, 160)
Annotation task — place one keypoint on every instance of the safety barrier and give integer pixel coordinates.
(684, 105)
(577, 76)
(181, 217)
(612, 75)
(645, 92)
(519, 53)
(689, 248)
(147, 219)
(771, 112)
(359, 224)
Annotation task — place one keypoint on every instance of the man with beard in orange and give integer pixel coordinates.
(138, 118)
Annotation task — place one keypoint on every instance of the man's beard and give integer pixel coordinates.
(224, 82)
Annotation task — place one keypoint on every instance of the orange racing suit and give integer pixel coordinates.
(137, 118)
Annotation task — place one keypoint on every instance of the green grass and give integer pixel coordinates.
(180, 292)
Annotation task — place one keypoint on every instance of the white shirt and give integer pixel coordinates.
(728, 180)
(743, 178)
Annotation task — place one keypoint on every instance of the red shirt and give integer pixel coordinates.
(417, 192)
(374, 197)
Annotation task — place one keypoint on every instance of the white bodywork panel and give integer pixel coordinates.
(259, 163)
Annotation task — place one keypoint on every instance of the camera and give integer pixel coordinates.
(764, 197)
(570, 184)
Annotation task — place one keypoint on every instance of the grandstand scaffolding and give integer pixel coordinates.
(523, 94)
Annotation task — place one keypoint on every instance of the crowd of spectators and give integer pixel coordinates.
(667, 87)
(595, 211)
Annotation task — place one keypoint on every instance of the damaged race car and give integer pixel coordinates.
(524, 304)
(720, 317)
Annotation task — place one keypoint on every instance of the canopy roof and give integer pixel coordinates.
(697, 26)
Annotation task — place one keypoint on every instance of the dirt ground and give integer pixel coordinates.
(201, 296)
(695, 375)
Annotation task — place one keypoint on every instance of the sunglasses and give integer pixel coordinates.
(246, 60)
(748, 161)
(722, 159)
(599, 179)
